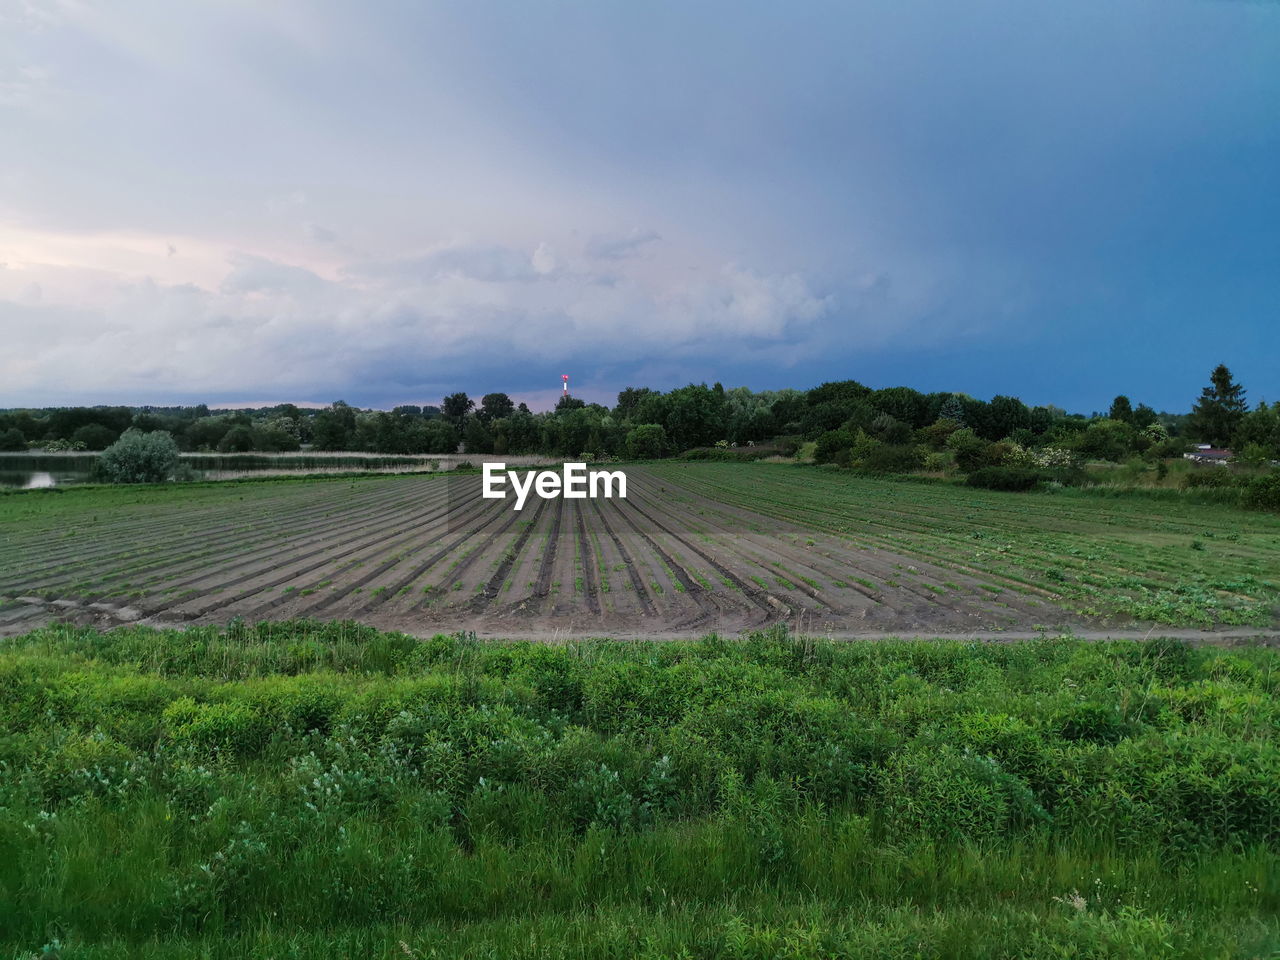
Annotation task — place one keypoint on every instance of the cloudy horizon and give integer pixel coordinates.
(230, 202)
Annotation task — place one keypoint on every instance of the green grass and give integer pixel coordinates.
(1111, 556)
(317, 790)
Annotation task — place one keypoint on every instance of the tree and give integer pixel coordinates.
(628, 400)
(334, 427)
(1121, 409)
(567, 402)
(95, 436)
(889, 429)
(495, 406)
(139, 457)
(1004, 415)
(441, 437)
(695, 416)
(838, 391)
(477, 436)
(1219, 410)
(236, 440)
(204, 434)
(953, 410)
(831, 444)
(456, 406)
(273, 439)
(902, 403)
(1260, 427)
(1143, 416)
(647, 442)
(969, 448)
(1108, 439)
(12, 439)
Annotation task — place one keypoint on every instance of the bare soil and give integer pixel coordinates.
(426, 555)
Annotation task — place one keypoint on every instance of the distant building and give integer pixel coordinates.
(1204, 453)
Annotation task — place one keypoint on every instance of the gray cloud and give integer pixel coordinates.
(619, 247)
(320, 234)
(427, 192)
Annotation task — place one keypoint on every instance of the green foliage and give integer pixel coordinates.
(139, 457)
(239, 439)
(456, 406)
(495, 406)
(1006, 478)
(1108, 440)
(831, 444)
(477, 437)
(891, 458)
(1263, 493)
(1254, 454)
(1211, 477)
(285, 788)
(12, 440)
(970, 450)
(1220, 410)
(647, 442)
(95, 436)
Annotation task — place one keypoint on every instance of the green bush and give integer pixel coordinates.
(1006, 478)
(830, 445)
(1263, 493)
(1211, 477)
(95, 436)
(647, 442)
(892, 458)
(139, 457)
(296, 783)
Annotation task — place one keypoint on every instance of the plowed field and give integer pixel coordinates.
(694, 548)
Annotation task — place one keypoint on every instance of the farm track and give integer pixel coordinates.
(695, 548)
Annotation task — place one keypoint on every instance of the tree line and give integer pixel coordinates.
(847, 419)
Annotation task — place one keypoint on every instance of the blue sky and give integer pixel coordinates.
(241, 202)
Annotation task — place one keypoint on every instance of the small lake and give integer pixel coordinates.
(39, 479)
(35, 471)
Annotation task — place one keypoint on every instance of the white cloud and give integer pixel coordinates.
(281, 326)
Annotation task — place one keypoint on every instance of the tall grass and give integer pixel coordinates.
(307, 789)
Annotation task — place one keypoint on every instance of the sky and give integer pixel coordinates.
(242, 202)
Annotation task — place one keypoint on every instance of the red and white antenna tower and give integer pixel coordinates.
(564, 377)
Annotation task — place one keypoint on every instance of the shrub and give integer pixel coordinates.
(1005, 478)
(95, 436)
(787, 446)
(969, 448)
(733, 454)
(62, 446)
(1215, 478)
(892, 458)
(238, 439)
(936, 462)
(830, 444)
(138, 457)
(937, 434)
(1254, 454)
(647, 442)
(1263, 493)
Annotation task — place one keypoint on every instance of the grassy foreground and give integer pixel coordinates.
(321, 790)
